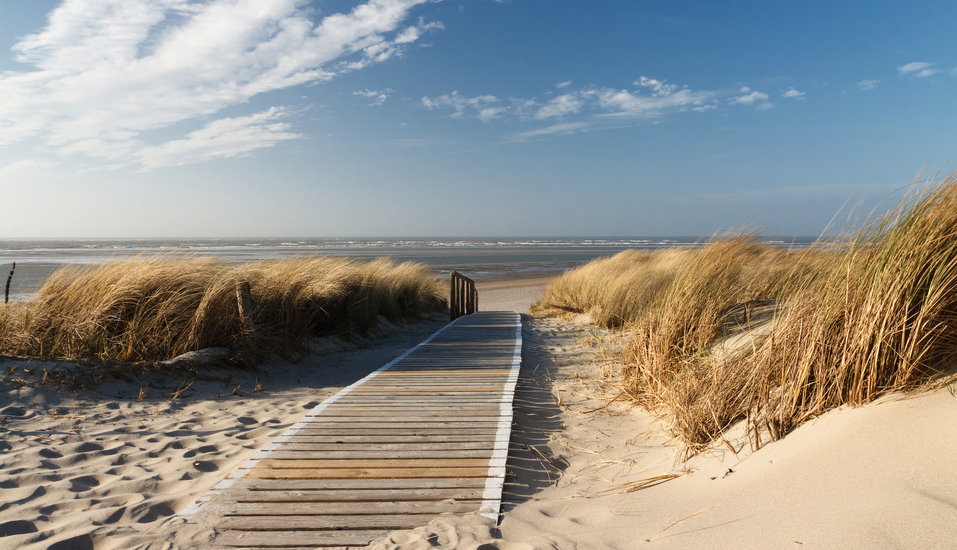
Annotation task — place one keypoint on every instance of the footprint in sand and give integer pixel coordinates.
(83, 483)
(205, 466)
(49, 453)
(17, 527)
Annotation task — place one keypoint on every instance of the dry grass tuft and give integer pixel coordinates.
(841, 326)
(156, 308)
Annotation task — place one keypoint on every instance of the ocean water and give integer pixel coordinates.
(482, 259)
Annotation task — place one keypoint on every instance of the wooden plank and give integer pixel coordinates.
(478, 373)
(435, 391)
(351, 495)
(394, 431)
(318, 523)
(358, 485)
(489, 414)
(374, 463)
(306, 539)
(392, 438)
(477, 446)
(365, 473)
(395, 424)
(352, 508)
(372, 453)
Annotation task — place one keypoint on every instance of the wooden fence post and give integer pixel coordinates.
(463, 298)
(244, 300)
(6, 294)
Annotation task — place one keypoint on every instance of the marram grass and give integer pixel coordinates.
(849, 325)
(155, 308)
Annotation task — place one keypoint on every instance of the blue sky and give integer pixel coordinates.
(220, 118)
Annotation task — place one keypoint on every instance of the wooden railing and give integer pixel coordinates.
(463, 299)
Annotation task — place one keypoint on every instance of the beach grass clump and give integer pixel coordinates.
(846, 324)
(156, 308)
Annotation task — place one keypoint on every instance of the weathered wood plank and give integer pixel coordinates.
(392, 438)
(365, 473)
(357, 485)
(486, 414)
(335, 425)
(320, 463)
(352, 508)
(290, 539)
(390, 431)
(374, 454)
(478, 446)
(434, 391)
(351, 495)
(318, 523)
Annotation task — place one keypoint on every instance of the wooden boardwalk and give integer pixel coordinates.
(425, 435)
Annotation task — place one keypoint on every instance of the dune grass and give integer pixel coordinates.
(849, 325)
(156, 308)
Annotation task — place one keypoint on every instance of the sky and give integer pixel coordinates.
(425, 118)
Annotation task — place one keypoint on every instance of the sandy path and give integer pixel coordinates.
(515, 295)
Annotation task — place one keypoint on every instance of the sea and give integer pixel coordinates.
(481, 259)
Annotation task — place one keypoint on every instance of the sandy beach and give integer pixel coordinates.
(108, 469)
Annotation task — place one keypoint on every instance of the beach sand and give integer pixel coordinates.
(106, 471)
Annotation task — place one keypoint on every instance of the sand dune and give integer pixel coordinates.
(106, 471)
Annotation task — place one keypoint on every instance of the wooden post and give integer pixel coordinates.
(244, 300)
(463, 298)
(452, 295)
(6, 294)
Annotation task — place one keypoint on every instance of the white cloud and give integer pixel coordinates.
(614, 103)
(865, 85)
(749, 97)
(563, 84)
(565, 128)
(411, 34)
(598, 108)
(377, 97)
(918, 69)
(560, 106)
(485, 107)
(222, 138)
(793, 94)
(27, 170)
(104, 71)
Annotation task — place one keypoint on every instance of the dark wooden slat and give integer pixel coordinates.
(355, 484)
(351, 495)
(322, 463)
(317, 523)
(465, 453)
(365, 473)
(485, 414)
(478, 446)
(353, 508)
(419, 424)
(400, 431)
(392, 438)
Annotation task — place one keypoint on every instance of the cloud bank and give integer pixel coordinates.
(105, 71)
